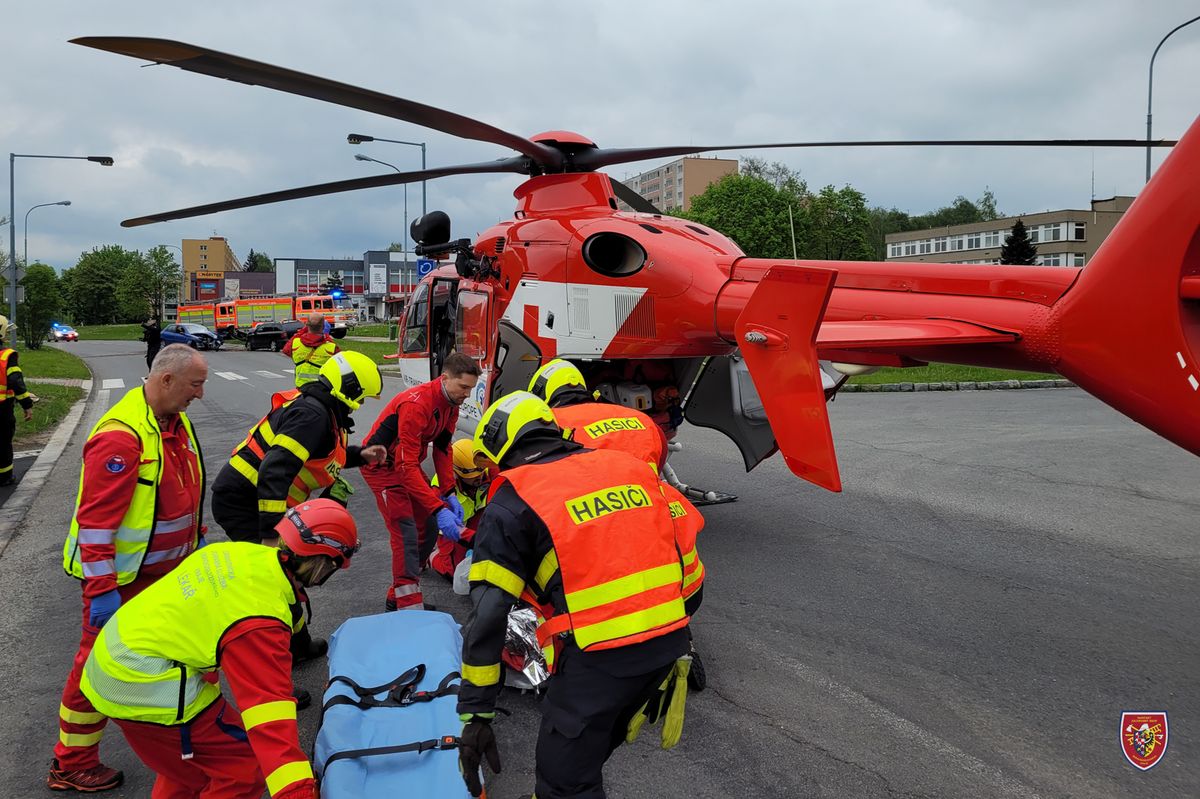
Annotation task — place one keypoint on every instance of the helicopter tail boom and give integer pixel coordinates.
(1130, 326)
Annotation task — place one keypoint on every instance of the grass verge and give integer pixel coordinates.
(52, 405)
(110, 332)
(375, 350)
(946, 373)
(51, 362)
(371, 331)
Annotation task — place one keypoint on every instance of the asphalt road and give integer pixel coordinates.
(1004, 573)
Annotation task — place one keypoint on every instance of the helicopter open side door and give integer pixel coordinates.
(428, 330)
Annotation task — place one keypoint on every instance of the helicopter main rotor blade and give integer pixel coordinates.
(598, 159)
(515, 164)
(256, 73)
(631, 198)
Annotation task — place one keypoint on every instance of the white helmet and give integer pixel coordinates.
(4, 327)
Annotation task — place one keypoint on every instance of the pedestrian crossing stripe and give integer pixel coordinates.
(265, 373)
(113, 382)
(232, 376)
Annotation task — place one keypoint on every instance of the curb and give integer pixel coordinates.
(13, 512)
(992, 385)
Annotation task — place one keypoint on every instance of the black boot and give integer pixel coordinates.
(305, 647)
(303, 698)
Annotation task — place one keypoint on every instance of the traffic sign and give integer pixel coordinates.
(424, 267)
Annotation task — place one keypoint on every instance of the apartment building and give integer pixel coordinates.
(672, 186)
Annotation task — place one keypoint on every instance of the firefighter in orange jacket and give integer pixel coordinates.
(558, 523)
(595, 424)
(603, 425)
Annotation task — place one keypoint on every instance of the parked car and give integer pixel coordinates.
(195, 336)
(272, 335)
(61, 332)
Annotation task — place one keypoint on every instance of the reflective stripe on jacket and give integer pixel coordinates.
(602, 425)
(614, 547)
(132, 536)
(315, 475)
(149, 661)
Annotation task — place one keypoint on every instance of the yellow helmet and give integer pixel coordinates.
(510, 419)
(465, 467)
(352, 377)
(556, 376)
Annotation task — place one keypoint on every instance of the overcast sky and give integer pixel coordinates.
(624, 74)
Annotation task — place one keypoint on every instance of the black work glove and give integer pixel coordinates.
(477, 742)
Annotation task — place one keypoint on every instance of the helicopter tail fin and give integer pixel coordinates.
(1129, 328)
(777, 333)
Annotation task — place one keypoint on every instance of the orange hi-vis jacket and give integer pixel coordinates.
(602, 425)
(316, 474)
(619, 589)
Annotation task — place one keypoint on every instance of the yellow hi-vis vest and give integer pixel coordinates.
(470, 504)
(309, 360)
(132, 537)
(149, 660)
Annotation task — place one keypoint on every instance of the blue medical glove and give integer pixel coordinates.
(103, 607)
(447, 522)
(456, 506)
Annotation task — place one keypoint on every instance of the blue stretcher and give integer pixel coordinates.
(389, 724)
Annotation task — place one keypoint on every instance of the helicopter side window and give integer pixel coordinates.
(415, 321)
(470, 324)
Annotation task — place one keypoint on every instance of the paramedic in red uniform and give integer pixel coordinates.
(243, 600)
(142, 486)
(413, 420)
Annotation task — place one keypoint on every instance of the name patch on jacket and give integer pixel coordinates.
(677, 509)
(590, 507)
(606, 426)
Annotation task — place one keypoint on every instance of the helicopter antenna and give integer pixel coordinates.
(792, 225)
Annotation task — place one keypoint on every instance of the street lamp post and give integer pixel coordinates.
(182, 279)
(103, 160)
(27, 213)
(1150, 88)
(359, 138)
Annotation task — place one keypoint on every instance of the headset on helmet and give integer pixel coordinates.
(352, 377)
(320, 527)
(465, 467)
(508, 420)
(555, 377)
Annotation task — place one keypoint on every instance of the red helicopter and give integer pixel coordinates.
(669, 315)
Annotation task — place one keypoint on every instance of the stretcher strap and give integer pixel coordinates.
(398, 694)
(445, 742)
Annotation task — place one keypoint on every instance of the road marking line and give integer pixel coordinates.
(265, 373)
(113, 382)
(232, 376)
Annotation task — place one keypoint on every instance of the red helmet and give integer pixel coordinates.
(320, 527)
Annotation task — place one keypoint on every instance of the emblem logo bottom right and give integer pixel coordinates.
(1144, 737)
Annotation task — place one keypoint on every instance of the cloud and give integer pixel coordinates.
(622, 74)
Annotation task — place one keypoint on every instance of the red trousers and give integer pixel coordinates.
(411, 539)
(80, 727)
(222, 765)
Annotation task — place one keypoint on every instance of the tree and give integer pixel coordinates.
(41, 306)
(987, 206)
(147, 283)
(90, 287)
(754, 213)
(396, 246)
(334, 281)
(1017, 248)
(258, 262)
(840, 226)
